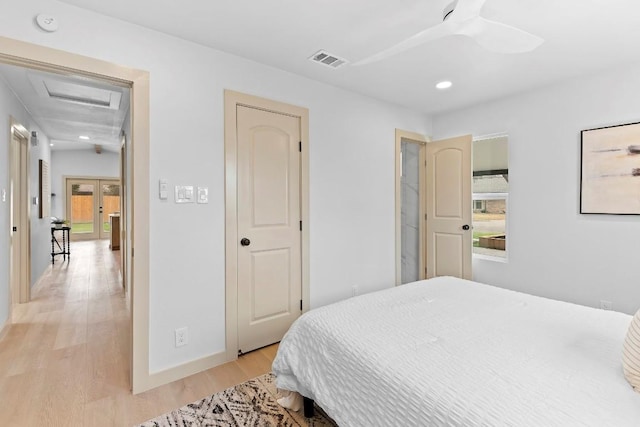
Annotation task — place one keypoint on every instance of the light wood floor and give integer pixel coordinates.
(64, 360)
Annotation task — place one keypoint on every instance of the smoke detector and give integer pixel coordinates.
(47, 23)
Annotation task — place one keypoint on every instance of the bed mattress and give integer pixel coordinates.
(451, 352)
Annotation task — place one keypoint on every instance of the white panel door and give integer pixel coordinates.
(269, 251)
(449, 233)
(18, 198)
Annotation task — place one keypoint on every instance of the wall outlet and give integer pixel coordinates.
(606, 305)
(182, 336)
(354, 290)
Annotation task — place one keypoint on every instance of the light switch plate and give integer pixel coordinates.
(203, 195)
(163, 188)
(4, 195)
(184, 194)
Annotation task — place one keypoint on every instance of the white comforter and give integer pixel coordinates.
(449, 352)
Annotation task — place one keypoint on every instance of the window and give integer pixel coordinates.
(490, 195)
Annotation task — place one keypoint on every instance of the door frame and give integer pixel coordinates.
(421, 140)
(20, 283)
(28, 55)
(97, 216)
(233, 99)
(123, 212)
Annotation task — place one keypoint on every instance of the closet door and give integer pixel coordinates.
(449, 234)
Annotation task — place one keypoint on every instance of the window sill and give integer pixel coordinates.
(504, 260)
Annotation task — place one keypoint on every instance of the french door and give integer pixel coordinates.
(89, 204)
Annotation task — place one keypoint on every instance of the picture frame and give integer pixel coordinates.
(44, 189)
(610, 170)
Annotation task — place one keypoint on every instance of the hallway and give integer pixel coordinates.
(64, 361)
(68, 346)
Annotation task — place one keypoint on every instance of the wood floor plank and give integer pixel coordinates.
(64, 359)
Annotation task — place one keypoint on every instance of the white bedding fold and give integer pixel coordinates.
(290, 400)
(449, 352)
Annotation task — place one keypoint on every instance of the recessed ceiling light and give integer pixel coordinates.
(84, 137)
(446, 84)
(51, 144)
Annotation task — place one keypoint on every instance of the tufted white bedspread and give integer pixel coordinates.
(450, 352)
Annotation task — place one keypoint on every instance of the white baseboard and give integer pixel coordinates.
(179, 372)
(5, 326)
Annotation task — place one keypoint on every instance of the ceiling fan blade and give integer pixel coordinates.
(441, 30)
(466, 9)
(498, 37)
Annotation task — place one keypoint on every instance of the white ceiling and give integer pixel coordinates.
(61, 116)
(581, 37)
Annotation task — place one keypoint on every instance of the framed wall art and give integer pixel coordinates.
(44, 181)
(610, 170)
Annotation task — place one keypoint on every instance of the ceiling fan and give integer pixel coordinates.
(462, 17)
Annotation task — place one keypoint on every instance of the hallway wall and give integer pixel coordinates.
(10, 106)
(78, 163)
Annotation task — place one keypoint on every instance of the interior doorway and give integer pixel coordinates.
(433, 207)
(40, 58)
(410, 207)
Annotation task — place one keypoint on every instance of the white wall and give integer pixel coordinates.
(79, 163)
(40, 231)
(351, 171)
(40, 227)
(553, 250)
(7, 105)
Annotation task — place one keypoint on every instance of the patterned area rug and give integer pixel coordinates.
(252, 403)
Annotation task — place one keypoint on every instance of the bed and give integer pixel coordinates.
(451, 352)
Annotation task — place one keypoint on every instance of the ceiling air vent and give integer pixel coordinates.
(325, 58)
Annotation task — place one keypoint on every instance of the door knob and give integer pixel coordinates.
(465, 227)
(245, 241)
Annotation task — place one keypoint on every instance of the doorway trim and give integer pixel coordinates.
(43, 58)
(422, 140)
(21, 292)
(232, 100)
(124, 267)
